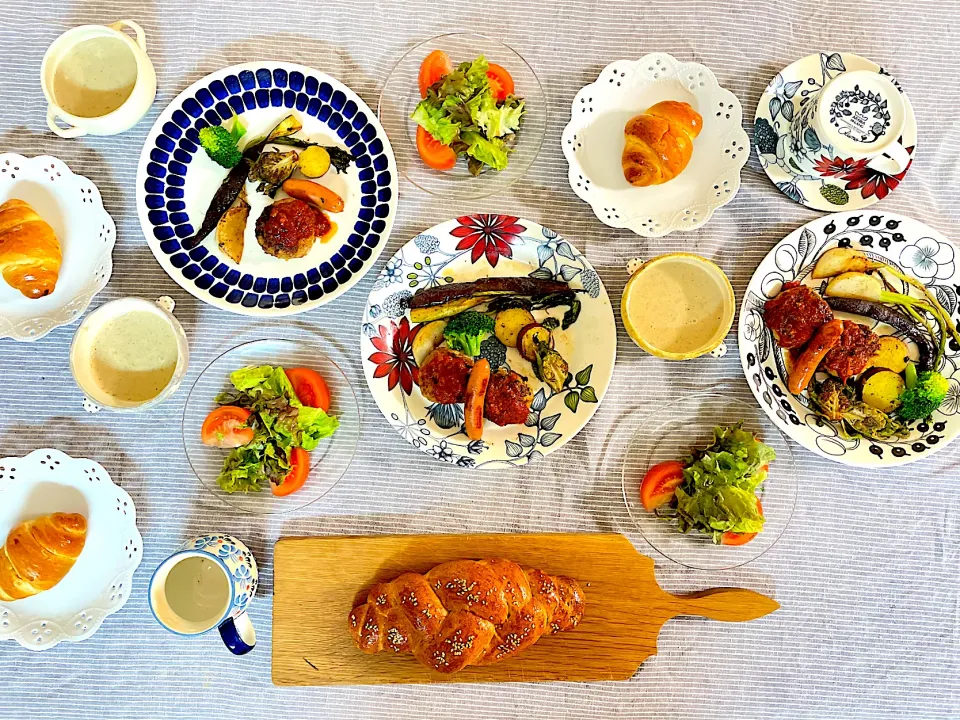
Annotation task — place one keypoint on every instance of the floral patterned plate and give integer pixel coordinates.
(462, 250)
(802, 168)
(901, 242)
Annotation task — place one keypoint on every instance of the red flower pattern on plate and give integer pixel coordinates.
(394, 356)
(873, 182)
(833, 167)
(860, 176)
(489, 235)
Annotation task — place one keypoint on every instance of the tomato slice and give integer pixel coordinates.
(433, 68)
(501, 82)
(659, 484)
(311, 389)
(299, 469)
(226, 427)
(433, 152)
(732, 538)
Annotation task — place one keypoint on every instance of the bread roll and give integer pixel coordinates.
(659, 143)
(39, 553)
(30, 255)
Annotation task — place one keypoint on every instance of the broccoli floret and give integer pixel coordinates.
(220, 145)
(919, 401)
(467, 330)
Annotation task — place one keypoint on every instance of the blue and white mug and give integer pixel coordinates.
(207, 584)
(861, 114)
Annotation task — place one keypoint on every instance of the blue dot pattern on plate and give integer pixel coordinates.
(177, 142)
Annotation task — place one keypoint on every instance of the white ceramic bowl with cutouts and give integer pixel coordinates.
(99, 583)
(72, 206)
(593, 143)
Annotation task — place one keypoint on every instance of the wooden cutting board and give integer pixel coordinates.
(317, 581)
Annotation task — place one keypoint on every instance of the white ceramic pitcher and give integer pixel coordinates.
(133, 108)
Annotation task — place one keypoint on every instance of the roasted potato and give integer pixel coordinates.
(314, 161)
(510, 322)
(881, 389)
(892, 354)
(230, 231)
(855, 285)
(840, 260)
(427, 339)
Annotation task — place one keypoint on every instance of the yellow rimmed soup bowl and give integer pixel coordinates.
(678, 306)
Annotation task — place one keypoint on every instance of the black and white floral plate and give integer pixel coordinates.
(804, 169)
(902, 242)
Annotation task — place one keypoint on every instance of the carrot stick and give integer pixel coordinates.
(476, 396)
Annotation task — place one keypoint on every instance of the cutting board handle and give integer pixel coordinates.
(725, 604)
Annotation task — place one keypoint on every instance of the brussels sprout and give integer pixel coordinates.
(272, 168)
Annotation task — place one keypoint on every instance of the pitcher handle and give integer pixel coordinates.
(237, 633)
(65, 132)
(141, 36)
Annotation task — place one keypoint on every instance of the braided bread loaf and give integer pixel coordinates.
(466, 612)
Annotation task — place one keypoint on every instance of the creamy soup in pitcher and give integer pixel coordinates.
(95, 77)
(677, 305)
(134, 355)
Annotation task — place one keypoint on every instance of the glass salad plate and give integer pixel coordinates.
(328, 462)
(400, 97)
(676, 430)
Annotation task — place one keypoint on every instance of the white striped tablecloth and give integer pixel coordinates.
(868, 573)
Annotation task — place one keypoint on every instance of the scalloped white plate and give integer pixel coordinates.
(593, 143)
(72, 205)
(47, 481)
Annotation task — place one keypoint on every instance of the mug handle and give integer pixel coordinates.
(141, 37)
(65, 132)
(893, 161)
(719, 351)
(237, 633)
(166, 303)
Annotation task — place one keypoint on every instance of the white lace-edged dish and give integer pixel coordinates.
(593, 142)
(99, 583)
(72, 206)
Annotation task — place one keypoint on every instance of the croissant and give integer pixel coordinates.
(30, 255)
(466, 612)
(659, 143)
(38, 553)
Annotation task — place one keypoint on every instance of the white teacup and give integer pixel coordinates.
(97, 80)
(862, 114)
(129, 354)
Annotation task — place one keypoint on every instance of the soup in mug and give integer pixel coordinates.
(678, 305)
(95, 77)
(197, 590)
(133, 356)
